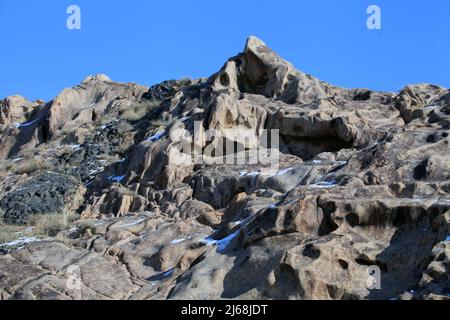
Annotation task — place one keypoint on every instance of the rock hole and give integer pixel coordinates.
(224, 79)
(420, 172)
(343, 264)
(327, 225)
(432, 138)
(352, 219)
(311, 251)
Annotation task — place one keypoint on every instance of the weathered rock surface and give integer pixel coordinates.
(358, 206)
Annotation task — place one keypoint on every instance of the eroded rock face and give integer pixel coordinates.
(357, 208)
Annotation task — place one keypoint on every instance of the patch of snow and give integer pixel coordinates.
(89, 106)
(178, 241)
(273, 206)
(317, 161)
(237, 223)
(75, 147)
(135, 223)
(20, 242)
(18, 159)
(324, 185)
(103, 127)
(249, 174)
(281, 172)
(209, 241)
(447, 239)
(156, 137)
(25, 124)
(246, 221)
(168, 273)
(99, 223)
(221, 244)
(162, 276)
(117, 179)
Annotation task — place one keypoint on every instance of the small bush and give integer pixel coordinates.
(6, 232)
(5, 235)
(125, 191)
(159, 123)
(33, 165)
(52, 224)
(138, 111)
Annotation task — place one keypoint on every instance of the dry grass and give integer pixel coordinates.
(28, 153)
(6, 232)
(125, 191)
(33, 165)
(138, 111)
(133, 114)
(6, 167)
(43, 226)
(62, 238)
(52, 224)
(5, 235)
(159, 123)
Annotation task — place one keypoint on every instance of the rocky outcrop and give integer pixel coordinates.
(16, 110)
(415, 100)
(356, 205)
(96, 98)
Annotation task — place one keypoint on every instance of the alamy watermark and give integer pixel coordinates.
(370, 279)
(73, 282)
(373, 281)
(74, 20)
(374, 19)
(239, 146)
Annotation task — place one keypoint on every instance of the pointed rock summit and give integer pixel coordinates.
(97, 77)
(259, 70)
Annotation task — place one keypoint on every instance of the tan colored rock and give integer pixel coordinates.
(412, 100)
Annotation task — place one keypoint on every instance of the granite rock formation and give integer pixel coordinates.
(357, 208)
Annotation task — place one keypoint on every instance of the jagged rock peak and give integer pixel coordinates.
(98, 77)
(259, 70)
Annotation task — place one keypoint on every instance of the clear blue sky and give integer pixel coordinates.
(147, 41)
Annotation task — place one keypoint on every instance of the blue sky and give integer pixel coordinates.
(147, 41)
